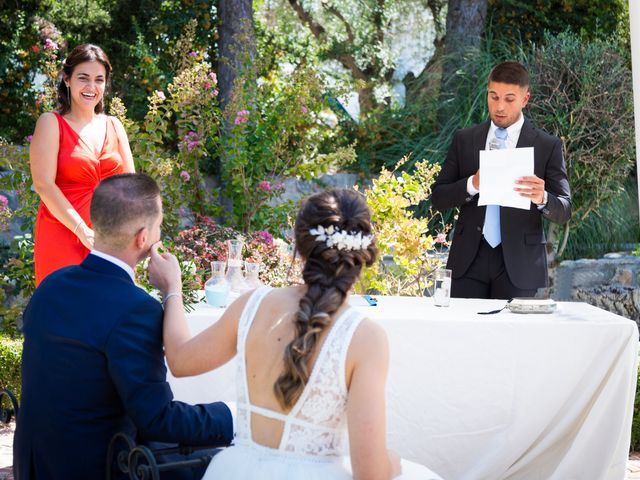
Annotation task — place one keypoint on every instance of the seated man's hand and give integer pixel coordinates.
(164, 271)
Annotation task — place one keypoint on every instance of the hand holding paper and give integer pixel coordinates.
(531, 187)
(500, 170)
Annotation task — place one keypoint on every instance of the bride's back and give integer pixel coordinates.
(272, 329)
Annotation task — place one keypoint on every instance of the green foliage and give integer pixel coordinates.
(17, 277)
(179, 132)
(275, 131)
(529, 20)
(612, 227)
(400, 234)
(581, 94)
(17, 282)
(25, 54)
(10, 363)
(357, 36)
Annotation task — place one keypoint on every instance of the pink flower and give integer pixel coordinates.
(193, 54)
(185, 175)
(50, 44)
(35, 48)
(4, 201)
(190, 141)
(441, 238)
(278, 186)
(304, 108)
(207, 85)
(264, 185)
(241, 117)
(213, 77)
(160, 95)
(28, 138)
(214, 93)
(265, 237)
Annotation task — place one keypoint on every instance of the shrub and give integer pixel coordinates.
(274, 130)
(179, 132)
(10, 363)
(581, 94)
(205, 242)
(401, 235)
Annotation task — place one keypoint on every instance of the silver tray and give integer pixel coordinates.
(532, 305)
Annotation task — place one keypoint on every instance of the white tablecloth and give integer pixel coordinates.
(505, 396)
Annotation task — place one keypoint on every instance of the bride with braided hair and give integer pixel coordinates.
(310, 366)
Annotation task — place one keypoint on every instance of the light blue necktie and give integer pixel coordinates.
(491, 229)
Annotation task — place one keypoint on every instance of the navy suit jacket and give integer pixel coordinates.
(523, 239)
(93, 365)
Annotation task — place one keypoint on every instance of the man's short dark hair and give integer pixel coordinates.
(513, 73)
(124, 202)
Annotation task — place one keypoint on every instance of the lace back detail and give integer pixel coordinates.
(316, 425)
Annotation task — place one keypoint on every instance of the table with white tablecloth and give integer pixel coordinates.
(503, 396)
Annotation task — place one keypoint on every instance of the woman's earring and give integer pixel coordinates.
(69, 94)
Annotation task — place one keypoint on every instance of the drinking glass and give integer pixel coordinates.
(251, 271)
(442, 287)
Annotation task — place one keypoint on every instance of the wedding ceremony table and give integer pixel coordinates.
(489, 397)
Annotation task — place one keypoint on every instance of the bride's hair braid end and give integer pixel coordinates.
(333, 262)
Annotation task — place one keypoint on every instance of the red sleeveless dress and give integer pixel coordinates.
(78, 174)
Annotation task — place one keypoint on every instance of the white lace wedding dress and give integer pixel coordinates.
(313, 442)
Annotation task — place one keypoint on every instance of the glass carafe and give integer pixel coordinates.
(234, 276)
(216, 288)
(251, 271)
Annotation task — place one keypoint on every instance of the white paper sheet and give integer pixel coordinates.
(499, 170)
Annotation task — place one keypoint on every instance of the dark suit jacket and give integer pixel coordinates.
(93, 365)
(523, 239)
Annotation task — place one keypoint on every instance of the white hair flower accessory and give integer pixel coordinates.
(341, 239)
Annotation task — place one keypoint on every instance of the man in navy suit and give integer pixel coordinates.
(500, 252)
(93, 361)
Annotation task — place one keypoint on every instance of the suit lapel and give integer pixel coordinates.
(480, 140)
(100, 265)
(528, 135)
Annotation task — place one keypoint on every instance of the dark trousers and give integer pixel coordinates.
(487, 277)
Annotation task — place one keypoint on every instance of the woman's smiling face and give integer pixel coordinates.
(87, 83)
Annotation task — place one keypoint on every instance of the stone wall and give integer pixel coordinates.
(611, 283)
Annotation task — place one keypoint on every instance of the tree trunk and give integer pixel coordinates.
(237, 43)
(465, 25)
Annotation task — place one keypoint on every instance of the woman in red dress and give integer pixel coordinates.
(72, 150)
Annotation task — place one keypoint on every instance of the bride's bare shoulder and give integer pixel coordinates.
(369, 337)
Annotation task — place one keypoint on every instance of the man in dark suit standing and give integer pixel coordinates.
(93, 361)
(500, 252)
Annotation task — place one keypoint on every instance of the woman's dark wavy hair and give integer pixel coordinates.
(82, 53)
(328, 273)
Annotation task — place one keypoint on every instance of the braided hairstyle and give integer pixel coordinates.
(329, 273)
